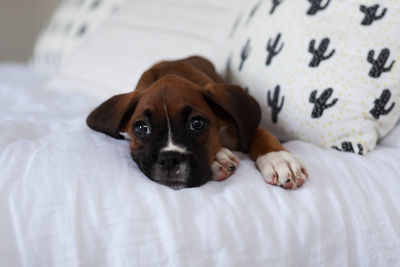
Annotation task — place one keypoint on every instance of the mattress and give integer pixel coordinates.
(70, 196)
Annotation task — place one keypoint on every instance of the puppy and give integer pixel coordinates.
(183, 121)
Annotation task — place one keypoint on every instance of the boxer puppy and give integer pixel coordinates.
(183, 121)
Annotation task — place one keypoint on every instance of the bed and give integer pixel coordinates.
(70, 196)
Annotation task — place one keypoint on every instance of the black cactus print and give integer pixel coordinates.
(95, 4)
(380, 104)
(272, 48)
(319, 54)
(244, 54)
(235, 25)
(348, 147)
(320, 103)
(378, 65)
(316, 5)
(370, 14)
(228, 69)
(253, 11)
(82, 30)
(274, 103)
(275, 4)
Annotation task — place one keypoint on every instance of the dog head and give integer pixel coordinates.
(174, 126)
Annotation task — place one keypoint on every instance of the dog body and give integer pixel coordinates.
(183, 121)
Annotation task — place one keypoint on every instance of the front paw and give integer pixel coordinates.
(283, 169)
(224, 165)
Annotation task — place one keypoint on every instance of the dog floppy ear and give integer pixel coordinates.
(113, 114)
(232, 102)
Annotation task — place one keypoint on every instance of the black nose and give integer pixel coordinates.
(169, 160)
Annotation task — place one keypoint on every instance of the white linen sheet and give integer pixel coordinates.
(70, 196)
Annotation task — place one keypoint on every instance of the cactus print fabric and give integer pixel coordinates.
(324, 71)
(70, 25)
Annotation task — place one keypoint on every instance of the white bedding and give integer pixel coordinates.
(70, 196)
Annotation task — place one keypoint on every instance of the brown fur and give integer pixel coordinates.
(235, 115)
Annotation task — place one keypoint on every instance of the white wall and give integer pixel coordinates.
(20, 23)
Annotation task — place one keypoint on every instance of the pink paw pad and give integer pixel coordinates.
(224, 165)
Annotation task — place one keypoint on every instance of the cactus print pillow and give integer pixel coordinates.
(70, 25)
(324, 71)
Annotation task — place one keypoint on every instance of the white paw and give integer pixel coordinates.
(224, 165)
(283, 169)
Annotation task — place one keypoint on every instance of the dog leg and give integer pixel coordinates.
(224, 165)
(278, 166)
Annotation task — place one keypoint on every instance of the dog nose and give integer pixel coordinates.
(169, 160)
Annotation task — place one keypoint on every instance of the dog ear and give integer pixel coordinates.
(232, 102)
(111, 116)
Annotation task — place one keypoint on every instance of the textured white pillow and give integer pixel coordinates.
(324, 71)
(142, 33)
(72, 23)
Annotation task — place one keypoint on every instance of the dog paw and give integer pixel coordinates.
(224, 165)
(283, 169)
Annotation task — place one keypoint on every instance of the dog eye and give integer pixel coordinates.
(197, 124)
(142, 129)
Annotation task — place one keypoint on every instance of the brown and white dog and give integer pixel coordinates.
(183, 121)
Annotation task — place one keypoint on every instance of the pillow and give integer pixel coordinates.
(72, 22)
(326, 72)
(142, 33)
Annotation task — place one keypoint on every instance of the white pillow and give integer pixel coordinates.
(142, 33)
(324, 71)
(72, 23)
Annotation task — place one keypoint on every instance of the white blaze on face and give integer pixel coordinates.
(171, 146)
